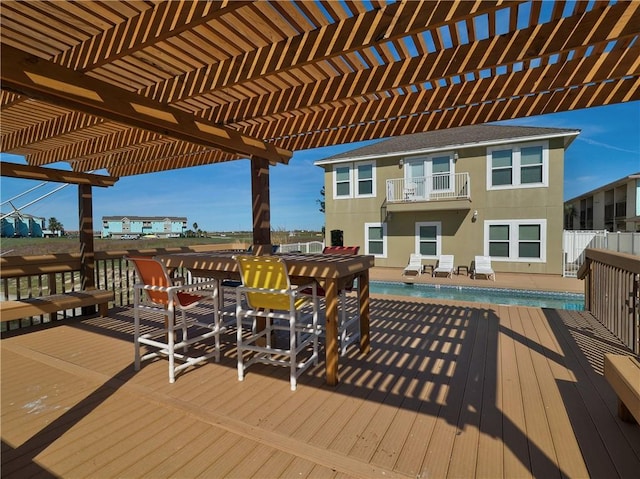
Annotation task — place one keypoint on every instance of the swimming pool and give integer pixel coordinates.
(540, 299)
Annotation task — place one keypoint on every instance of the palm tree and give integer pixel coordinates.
(569, 214)
(55, 225)
(195, 228)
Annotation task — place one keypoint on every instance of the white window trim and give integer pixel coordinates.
(438, 226)
(384, 238)
(514, 240)
(335, 182)
(356, 180)
(516, 166)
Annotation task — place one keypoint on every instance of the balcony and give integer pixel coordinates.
(434, 192)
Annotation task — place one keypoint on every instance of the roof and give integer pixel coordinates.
(453, 138)
(139, 87)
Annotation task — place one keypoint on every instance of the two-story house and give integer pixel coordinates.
(479, 190)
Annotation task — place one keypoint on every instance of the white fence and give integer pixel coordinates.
(575, 242)
(311, 247)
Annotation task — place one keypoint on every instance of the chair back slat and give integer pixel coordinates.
(483, 262)
(446, 261)
(265, 272)
(152, 272)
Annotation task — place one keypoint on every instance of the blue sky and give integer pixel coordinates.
(218, 197)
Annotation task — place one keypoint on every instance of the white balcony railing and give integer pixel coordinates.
(429, 188)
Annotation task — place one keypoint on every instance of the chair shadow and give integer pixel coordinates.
(435, 359)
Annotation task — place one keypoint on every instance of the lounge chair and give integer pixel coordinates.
(415, 265)
(445, 265)
(483, 266)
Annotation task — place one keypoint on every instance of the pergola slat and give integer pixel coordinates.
(259, 79)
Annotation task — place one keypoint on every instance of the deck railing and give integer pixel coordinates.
(41, 275)
(443, 186)
(612, 293)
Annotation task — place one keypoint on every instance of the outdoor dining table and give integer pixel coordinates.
(331, 272)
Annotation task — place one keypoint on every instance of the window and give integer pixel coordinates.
(354, 180)
(521, 166)
(529, 241)
(499, 241)
(516, 240)
(342, 181)
(428, 239)
(365, 179)
(531, 164)
(501, 167)
(441, 170)
(375, 235)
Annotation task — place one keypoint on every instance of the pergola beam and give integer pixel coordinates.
(29, 75)
(29, 172)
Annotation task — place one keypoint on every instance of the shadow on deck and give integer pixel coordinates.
(448, 390)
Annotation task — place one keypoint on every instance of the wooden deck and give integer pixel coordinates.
(448, 390)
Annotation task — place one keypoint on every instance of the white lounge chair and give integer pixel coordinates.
(483, 266)
(415, 265)
(445, 265)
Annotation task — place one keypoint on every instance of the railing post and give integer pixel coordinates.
(635, 313)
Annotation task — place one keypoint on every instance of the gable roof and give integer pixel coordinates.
(452, 138)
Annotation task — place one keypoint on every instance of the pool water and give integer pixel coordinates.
(521, 297)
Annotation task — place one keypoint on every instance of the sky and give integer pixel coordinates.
(218, 197)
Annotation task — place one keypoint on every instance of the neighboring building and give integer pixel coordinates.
(613, 207)
(22, 225)
(128, 227)
(477, 190)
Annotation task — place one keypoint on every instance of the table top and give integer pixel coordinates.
(307, 265)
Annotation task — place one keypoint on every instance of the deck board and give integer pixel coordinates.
(449, 390)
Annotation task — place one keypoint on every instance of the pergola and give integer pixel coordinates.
(135, 87)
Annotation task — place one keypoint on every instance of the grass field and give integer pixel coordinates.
(35, 246)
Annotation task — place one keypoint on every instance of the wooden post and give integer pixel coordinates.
(87, 259)
(260, 206)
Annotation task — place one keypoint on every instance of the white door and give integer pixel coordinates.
(414, 172)
(427, 177)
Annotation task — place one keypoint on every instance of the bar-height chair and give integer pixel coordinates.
(348, 327)
(156, 292)
(266, 292)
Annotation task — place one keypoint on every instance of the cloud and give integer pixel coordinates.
(606, 145)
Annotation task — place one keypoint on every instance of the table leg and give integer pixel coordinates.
(363, 299)
(331, 340)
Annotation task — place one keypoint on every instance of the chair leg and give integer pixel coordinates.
(218, 300)
(343, 323)
(292, 351)
(136, 329)
(171, 343)
(184, 330)
(239, 349)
